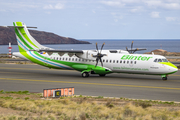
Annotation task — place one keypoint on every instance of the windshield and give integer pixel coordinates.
(160, 60)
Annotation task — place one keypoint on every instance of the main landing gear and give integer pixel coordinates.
(102, 75)
(85, 74)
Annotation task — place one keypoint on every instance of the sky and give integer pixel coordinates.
(97, 19)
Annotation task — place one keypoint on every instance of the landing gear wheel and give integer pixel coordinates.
(85, 74)
(102, 75)
(164, 78)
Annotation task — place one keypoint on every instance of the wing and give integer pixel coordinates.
(60, 52)
(134, 50)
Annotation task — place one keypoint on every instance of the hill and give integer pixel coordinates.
(163, 52)
(8, 35)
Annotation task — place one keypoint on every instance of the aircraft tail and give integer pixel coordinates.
(25, 41)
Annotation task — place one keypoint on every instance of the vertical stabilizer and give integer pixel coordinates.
(24, 39)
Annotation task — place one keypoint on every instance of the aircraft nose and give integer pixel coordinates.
(173, 68)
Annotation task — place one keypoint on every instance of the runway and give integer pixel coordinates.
(35, 78)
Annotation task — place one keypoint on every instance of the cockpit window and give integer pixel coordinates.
(164, 60)
(155, 60)
(160, 60)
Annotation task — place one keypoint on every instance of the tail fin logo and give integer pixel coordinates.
(25, 40)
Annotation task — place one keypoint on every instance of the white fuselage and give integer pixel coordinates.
(121, 62)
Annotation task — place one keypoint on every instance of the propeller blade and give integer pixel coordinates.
(126, 49)
(97, 47)
(102, 47)
(101, 62)
(131, 46)
(96, 61)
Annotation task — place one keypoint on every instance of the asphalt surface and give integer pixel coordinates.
(35, 78)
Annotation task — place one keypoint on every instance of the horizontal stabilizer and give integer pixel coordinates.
(21, 27)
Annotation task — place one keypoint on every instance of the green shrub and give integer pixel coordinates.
(26, 98)
(100, 97)
(143, 104)
(6, 98)
(80, 96)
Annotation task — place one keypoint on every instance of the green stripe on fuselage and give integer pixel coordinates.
(77, 66)
(169, 64)
(25, 54)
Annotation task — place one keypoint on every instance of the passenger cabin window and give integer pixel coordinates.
(127, 62)
(117, 61)
(103, 60)
(110, 61)
(134, 62)
(131, 62)
(66, 59)
(124, 61)
(107, 61)
(79, 59)
(69, 59)
(59, 58)
(72, 59)
(121, 61)
(63, 59)
(113, 61)
(76, 59)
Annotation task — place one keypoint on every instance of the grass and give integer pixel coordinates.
(31, 106)
(15, 92)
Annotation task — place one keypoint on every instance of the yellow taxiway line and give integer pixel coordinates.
(86, 83)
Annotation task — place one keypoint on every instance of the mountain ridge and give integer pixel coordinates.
(8, 35)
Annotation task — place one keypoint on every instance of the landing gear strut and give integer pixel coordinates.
(85, 74)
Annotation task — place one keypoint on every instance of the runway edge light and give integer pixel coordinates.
(58, 92)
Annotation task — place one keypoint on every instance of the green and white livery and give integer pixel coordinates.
(86, 61)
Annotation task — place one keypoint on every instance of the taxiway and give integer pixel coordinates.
(35, 78)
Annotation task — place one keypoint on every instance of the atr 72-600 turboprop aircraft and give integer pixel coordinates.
(86, 61)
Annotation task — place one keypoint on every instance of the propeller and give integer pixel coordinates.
(132, 51)
(99, 55)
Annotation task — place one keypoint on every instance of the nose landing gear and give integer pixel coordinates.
(164, 77)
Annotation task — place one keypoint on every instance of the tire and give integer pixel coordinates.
(164, 78)
(85, 74)
(102, 75)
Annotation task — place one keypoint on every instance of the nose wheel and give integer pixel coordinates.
(164, 77)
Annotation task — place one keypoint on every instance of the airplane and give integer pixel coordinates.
(87, 61)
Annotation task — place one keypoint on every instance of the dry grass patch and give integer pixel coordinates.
(84, 108)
